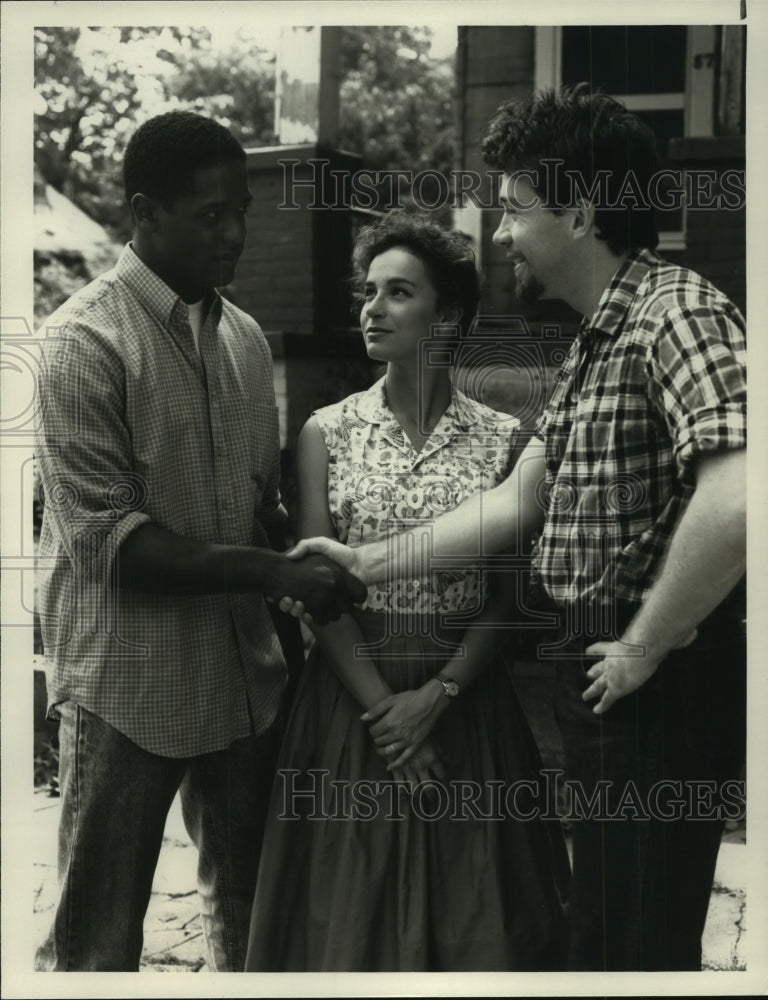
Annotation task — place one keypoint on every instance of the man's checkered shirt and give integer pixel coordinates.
(134, 426)
(656, 380)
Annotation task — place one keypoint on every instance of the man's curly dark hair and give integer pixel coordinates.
(591, 133)
(164, 152)
(447, 256)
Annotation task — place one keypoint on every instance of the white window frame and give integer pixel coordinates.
(695, 101)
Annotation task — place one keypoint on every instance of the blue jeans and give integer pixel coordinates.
(641, 884)
(115, 798)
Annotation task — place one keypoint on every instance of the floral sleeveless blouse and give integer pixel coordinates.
(379, 485)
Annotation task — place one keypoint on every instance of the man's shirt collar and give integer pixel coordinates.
(372, 407)
(617, 298)
(152, 291)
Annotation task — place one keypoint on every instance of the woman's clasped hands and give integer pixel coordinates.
(400, 725)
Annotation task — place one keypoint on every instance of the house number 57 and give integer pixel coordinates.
(703, 59)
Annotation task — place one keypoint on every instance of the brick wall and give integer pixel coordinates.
(715, 238)
(292, 273)
(274, 277)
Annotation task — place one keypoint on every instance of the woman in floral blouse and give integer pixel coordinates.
(405, 830)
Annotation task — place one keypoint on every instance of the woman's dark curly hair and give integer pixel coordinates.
(447, 256)
(592, 135)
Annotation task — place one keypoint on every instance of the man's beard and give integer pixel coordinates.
(529, 289)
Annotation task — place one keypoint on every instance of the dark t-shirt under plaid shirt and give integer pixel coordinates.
(656, 379)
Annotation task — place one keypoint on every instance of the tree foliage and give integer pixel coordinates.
(396, 100)
(95, 85)
(81, 118)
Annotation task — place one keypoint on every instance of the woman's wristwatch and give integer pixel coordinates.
(450, 686)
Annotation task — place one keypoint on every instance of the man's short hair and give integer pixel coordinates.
(164, 152)
(446, 254)
(590, 133)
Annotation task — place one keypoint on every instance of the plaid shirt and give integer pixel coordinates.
(135, 426)
(655, 380)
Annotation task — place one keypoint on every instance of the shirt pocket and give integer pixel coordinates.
(611, 465)
(613, 429)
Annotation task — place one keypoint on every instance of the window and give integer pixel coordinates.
(664, 73)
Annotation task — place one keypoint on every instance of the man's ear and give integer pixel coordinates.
(144, 210)
(582, 219)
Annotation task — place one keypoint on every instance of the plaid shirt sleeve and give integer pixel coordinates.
(84, 450)
(697, 380)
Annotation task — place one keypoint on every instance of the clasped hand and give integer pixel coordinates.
(321, 588)
(424, 765)
(400, 723)
(331, 552)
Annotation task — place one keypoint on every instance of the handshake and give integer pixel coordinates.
(317, 580)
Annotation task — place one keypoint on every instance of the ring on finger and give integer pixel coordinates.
(391, 748)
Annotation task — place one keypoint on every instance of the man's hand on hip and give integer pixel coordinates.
(623, 668)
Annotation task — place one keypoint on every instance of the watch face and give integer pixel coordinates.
(451, 688)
